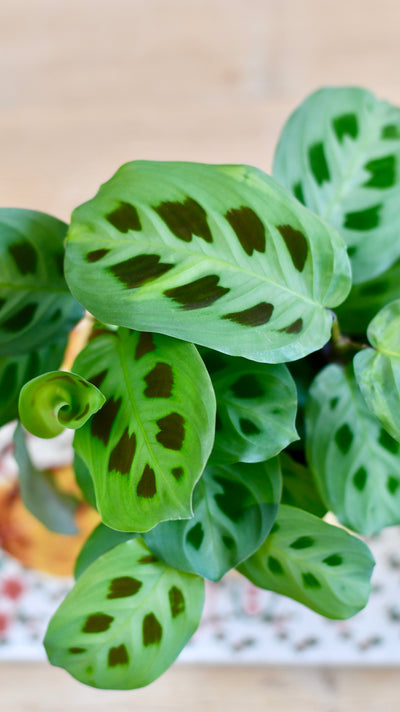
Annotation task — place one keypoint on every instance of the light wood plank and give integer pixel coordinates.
(40, 688)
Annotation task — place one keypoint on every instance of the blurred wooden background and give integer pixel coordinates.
(86, 85)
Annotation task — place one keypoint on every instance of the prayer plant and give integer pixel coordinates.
(219, 409)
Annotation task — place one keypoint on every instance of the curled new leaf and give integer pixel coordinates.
(57, 400)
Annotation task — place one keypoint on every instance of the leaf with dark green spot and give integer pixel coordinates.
(221, 256)
(101, 540)
(299, 488)
(377, 370)
(148, 445)
(317, 564)
(234, 509)
(339, 152)
(256, 409)
(36, 307)
(40, 494)
(126, 619)
(15, 371)
(355, 463)
(57, 400)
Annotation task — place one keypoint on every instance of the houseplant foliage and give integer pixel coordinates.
(219, 409)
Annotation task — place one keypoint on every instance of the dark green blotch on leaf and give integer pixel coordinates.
(147, 484)
(185, 219)
(296, 244)
(24, 256)
(176, 601)
(248, 228)
(254, 316)
(123, 586)
(363, 220)
(198, 294)
(124, 218)
(118, 656)
(247, 386)
(160, 381)
(344, 438)
(195, 536)
(102, 421)
(318, 163)
(172, 431)
(21, 319)
(97, 623)
(383, 172)
(137, 271)
(345, 125)
(152, 630)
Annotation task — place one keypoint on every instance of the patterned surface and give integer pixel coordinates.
(240, 623)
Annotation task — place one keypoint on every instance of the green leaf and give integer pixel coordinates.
(234, 509)
(57, 400)
(36, 307)
(15, 371)
(313, 562)
(377, 370)
(365, 300)
(148, 445)
(355, 462)
(126, 619)
(101, 540)
(55, 509)
(339, 153)
(84, 480)
(298, 487)
(218, 255)
(256, 409)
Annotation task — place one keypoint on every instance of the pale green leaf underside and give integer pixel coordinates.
(256, 409)
(339, 153)
(378, 369)
(15, 371)
(234, 508)
(148, 445)
(355, 462)
(55, 509)
(57, 400)
(126, 619)
(221, 256)
(317, 564)
(36, 307)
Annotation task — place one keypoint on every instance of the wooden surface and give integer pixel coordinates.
(36, 688)
(86, 85)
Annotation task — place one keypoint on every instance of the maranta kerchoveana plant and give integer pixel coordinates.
(240, 379)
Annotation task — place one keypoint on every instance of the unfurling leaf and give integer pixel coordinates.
(36, 308)
(313, 562)
(256, 409)
(377, 370)
(40, 494)
(148, 445)
(17, 370)
(57, 400)
(234, 509)
(126, 619)
(221, 256)
(356, 464)
(339, 153)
